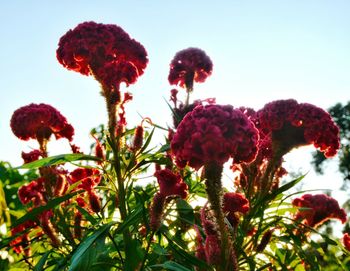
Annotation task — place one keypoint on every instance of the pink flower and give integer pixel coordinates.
(214, 133)
(170, 184)
(319, 208)
(235, 203)
(103, 50)
(40, 121)
(286, 124)
(346, 241)
(189, 65)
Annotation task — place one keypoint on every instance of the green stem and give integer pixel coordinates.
(115, 145)
(212, 174)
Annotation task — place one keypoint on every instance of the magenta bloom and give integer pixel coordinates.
(170, 184)
(286, 124)
(320, 208)
(235, 203)
(189, 65)
(103, 50)
(214, 133)
(40, 121)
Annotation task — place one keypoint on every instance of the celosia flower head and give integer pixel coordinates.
(40, 121)
(214, 133)
(235, 203)
(346, 241)
(286, 124)
(89, 178)
(103, 50)
(318, 209)
(31, 156)
(32, 192)
(189, 65)
(170, 184)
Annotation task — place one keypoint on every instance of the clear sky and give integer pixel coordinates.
(261, 50)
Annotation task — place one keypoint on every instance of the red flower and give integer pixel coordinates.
(189, 65)
(214, 133)
(157, 208)
(21, 242)
(89, 178)
(33, 192)
(235, 203)
(319, 208)
(346, 241)
(103, 50)
(39, 121)
(170, 184)
(31, 156)
(286, 124)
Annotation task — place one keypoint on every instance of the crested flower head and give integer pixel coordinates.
(89, 178)
(235, 203)
(214, 133)
(189, 65)
(286, 124)
(103, 50)
(40, 121)
(32, 192)
(170, 184)
(318, 209)
(346, 241)
(31, 156)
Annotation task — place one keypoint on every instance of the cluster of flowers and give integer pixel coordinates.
(205, 136)
(39, 122)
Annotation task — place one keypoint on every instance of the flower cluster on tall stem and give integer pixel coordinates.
(188, 66)
(208, 136)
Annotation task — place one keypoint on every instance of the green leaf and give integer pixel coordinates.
(40, 265)
(185, 211)
(85, 248)
(135, 255)
(132, 219)
(170, 265)
(284, 188)
(87, 215)
(59, 159)
(32, 214)
(184, 255)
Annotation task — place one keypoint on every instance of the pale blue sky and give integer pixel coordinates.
(261, 50)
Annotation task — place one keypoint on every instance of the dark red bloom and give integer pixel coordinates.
(40, 121)
(103, 50)
(31, 156)
(264, 241)
(138, 138)
(286, 124)
(188, 66)
(157, 208)
(235, 203)
(318, 209)
(21, 242)
(170, 184)
(89, 178)
(214, 133)
(346, 241)
(33, 192)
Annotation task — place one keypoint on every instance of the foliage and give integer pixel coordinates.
(107, 211)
